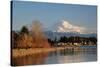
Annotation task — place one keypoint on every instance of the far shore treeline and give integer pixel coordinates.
(37, 39)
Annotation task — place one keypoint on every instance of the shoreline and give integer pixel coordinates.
(30, 51)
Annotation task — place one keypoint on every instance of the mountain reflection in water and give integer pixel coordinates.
(61, 56)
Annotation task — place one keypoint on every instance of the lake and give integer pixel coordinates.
(83, 54)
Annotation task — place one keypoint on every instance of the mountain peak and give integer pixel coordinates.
(66, 26)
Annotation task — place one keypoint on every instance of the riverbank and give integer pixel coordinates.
(30, 51)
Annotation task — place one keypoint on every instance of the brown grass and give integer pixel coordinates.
(30, 51)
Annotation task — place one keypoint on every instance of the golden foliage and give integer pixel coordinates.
(37, 39)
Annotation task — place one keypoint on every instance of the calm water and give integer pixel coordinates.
(84, 54)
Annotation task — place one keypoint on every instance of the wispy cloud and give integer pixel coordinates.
(67, 27)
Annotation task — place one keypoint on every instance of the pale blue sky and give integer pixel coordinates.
(50, 14)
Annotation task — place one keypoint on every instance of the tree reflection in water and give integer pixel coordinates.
(59, 56)
(34, 59)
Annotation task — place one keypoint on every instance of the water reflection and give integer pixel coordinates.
(72, 55)
(38, 58)
(61, 56)
(67, 52)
